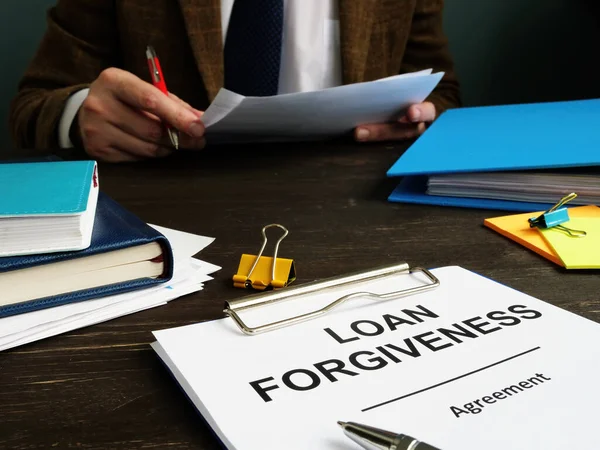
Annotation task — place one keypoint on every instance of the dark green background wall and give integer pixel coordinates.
(515, 51)
(22, 23)
(506, 51)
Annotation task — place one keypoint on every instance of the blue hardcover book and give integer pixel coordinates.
(125, 254)
(47, 206)
(537, 137)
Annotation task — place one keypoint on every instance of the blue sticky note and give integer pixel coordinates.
(550, 219)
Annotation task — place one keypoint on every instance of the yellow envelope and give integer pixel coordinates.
(576, 252)
(517, 228)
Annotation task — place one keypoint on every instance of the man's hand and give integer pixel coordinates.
(123, 118)
(411, 125)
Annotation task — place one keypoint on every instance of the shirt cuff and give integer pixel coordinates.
(72, 106)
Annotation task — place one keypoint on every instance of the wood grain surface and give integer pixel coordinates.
(102, 387)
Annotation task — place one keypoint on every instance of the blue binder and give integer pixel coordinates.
(115, 229)
(531, 136)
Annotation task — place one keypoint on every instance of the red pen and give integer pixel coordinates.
(159, 81)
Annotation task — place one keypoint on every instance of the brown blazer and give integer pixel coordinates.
(379, 38)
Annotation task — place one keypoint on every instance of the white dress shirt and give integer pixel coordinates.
(310, 58)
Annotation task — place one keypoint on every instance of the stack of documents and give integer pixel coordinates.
(545, 151)
(468, 365)
(314, 115)
(189, 276)
(536, 187)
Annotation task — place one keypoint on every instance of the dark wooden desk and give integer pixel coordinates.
(103, 387)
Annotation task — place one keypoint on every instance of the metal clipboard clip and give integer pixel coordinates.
(233, 307)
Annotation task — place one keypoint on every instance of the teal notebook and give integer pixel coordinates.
(47, 206)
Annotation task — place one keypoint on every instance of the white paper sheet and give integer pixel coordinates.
(540, 187)
(184, 245)
(317, 114)
(189, 276)
(525, 375)
(44, 318)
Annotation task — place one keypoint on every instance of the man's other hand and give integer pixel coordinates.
(409, 126)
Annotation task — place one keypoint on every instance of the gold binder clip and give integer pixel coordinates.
(263, 272)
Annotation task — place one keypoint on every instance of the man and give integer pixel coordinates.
(89, 83)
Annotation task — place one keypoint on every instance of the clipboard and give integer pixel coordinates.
(233, 307)
(444, 358)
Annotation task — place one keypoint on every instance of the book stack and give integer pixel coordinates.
(72, 256)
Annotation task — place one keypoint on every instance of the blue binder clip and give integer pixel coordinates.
(555, 217)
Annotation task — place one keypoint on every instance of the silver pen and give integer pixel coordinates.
(376, 439)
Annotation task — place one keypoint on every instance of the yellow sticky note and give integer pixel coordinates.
(516, 227)
(576, 252)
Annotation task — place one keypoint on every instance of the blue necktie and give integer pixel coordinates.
(252, 54)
